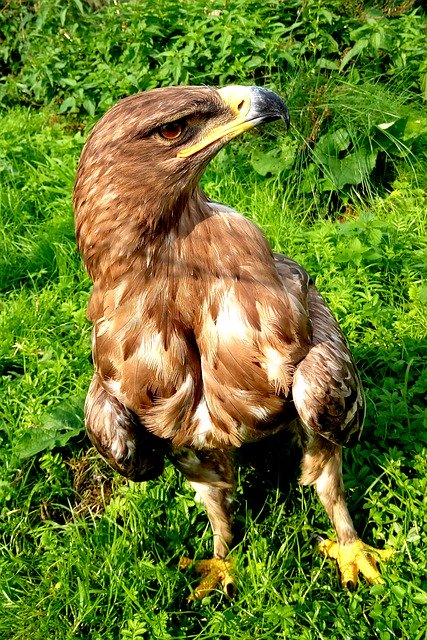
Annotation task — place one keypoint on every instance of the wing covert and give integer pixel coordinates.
(326, 390)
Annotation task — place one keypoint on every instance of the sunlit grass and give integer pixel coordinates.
(85, 554)
(68, 570)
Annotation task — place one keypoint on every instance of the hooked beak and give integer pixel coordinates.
(248, 106)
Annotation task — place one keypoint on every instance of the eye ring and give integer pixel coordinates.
(172, 130)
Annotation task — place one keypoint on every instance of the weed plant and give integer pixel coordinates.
(85, 554)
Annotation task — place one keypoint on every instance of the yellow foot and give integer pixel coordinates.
(354, 558)
(214, 571)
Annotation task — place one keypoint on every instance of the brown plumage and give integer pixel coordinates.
(203, 339)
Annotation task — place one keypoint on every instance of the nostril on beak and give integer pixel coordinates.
(242, 107)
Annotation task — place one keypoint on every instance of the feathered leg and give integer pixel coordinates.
(322, 466)
(211, 475)
(120, 437)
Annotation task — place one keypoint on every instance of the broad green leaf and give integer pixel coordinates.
(89, 106)
(331, 144)
(330, 17)
(69, 103)
(415, 127)
(265, 163)
(324, 63)
(274, 161)
(352, 169)
(354, 51)
(79, 5)
(377, 40)
(390, 134)
(289, 58)
(420, 597)
(69, 82)
(325, 184)
(398, 591)
(375, 236)
(288, 153)
(254, 62)
(352, 252)
(413, 535)
(57, 428)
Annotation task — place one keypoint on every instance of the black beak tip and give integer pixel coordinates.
(272, 105)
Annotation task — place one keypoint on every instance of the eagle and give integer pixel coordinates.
(203, 338)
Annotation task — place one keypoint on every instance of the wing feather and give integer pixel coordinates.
(326, 390)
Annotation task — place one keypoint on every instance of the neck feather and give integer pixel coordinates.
(118, 234)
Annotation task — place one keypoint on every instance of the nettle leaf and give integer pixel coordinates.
(330, 17)
(68, 104)
(375, 236)
(254, 62)
(89, 106)
(266, 162)
(325, 184)
(57, 428)
(351, 252)
(288, 152)
(274, 161)
(357, 252)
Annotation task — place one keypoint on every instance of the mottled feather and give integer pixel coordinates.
(203, 339)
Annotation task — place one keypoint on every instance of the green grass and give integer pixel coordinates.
(85, 554)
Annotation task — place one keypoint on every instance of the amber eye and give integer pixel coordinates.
(172, 130)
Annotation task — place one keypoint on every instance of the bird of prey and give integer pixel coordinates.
(203, 338)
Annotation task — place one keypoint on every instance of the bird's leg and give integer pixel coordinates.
(322, 466)
(211, 474)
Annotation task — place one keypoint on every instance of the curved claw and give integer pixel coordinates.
(214, 571)
(354, 558)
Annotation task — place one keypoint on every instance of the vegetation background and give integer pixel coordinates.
(85, 554)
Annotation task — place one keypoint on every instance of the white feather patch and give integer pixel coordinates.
(230, 322)
(203, 422)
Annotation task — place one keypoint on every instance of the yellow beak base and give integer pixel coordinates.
(243, 103)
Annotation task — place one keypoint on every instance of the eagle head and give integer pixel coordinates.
(144, 158)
